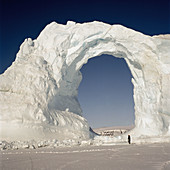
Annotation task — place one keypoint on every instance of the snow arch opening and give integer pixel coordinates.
(38, 92)
(106, 92)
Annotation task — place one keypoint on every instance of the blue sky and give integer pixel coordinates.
(106, 92)
(21, 19)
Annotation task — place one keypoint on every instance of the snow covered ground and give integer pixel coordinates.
(126, 157)
(113, 131)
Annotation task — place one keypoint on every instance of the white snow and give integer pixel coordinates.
(38, 92)
(129, 157)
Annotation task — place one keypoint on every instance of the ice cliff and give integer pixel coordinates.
(38, 92)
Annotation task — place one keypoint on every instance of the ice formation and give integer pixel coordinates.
(38, 92)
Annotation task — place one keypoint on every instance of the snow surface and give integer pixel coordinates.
(38, 92)
(126, 157)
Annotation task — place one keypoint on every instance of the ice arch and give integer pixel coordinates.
(38, 93)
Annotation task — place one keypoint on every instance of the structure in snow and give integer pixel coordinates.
(38, 92)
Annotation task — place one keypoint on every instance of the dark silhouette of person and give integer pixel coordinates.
(129, 139)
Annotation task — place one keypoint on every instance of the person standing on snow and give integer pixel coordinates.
(129, 139)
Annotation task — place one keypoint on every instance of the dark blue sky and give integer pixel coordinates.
(21, 19)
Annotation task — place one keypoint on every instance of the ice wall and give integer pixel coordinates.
(38, 92)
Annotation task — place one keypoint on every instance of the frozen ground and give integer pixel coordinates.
(125, 157)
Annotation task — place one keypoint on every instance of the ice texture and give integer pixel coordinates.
(38, 92)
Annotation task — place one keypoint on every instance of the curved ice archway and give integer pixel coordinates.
(45, 77)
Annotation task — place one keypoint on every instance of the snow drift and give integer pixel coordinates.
(38, 92)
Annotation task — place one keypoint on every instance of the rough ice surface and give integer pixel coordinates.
(38, 92)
